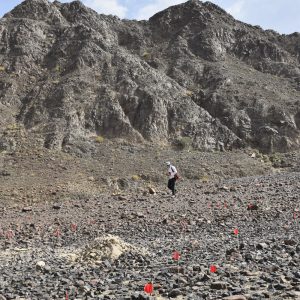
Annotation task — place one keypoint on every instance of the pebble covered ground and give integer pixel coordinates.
(110, 246)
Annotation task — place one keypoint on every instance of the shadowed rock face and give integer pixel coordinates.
(191, 70)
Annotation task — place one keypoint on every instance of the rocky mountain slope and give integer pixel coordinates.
(191, 71)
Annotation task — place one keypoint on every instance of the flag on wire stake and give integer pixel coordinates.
(9, 234)
(74, 227)
(57, 233)
(213, 269)
(236, 233)
(176, 257)
(148, 288)
(296, 217)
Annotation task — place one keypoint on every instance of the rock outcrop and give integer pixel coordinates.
(192, 71)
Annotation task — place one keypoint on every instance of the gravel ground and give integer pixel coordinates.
(53, 248)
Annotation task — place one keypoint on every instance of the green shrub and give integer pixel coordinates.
(205, 178)
(191, 174)
(184, 142)
(265, 158)
(135, 177)
(146, 55)
(57, 69)
(13, 127)
(189, 93)
(99, 139)
(276, 160)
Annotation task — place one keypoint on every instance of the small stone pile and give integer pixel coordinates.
(107, 247)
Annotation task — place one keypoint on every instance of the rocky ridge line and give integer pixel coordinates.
(191, 73)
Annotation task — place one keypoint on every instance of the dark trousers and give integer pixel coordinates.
(171, 185)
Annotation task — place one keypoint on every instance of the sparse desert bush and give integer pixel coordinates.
(135, 177)
(191, 174)
(183, 142)
(189, 93)
(146, 55)
(123, 183)
(99, 139)
(265, 158)
(13, 127)
(276, 160)
(57, 68)
(153, 177)
(205, 178)
(262, 157)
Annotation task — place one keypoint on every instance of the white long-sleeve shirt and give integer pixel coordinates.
(172, 171)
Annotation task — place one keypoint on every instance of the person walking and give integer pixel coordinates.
(173, 176)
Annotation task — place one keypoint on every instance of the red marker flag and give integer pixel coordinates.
(10, 234)
(148, 288)
(67, 295)
(176, 255)
(57, 232)
(213, 269)
(236, 231)
(73, 227)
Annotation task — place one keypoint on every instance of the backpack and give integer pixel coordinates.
(176, 176)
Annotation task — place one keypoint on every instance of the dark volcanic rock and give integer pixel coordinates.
(56, 206)
(190, 71)
(90, 249)
(219, 285)
(26, 209)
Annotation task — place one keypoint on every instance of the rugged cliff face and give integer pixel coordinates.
(190, 71)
